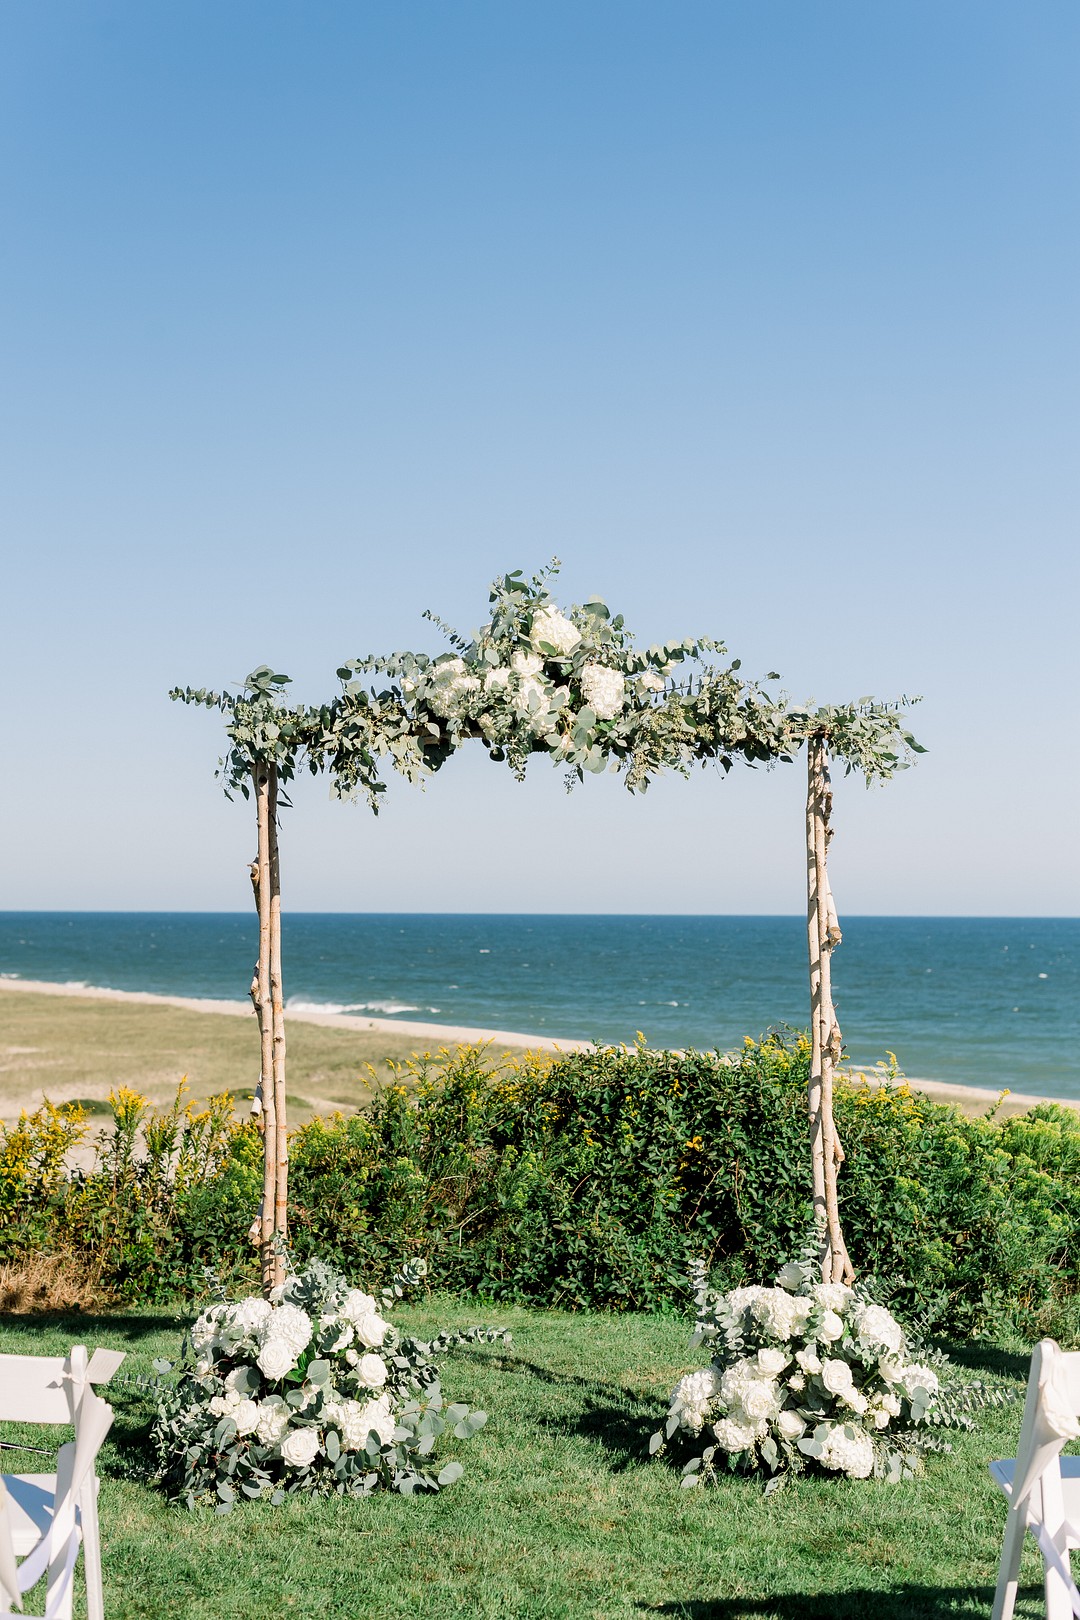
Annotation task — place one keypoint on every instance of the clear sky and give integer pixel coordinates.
(761, 314)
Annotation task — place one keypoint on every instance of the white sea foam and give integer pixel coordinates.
(387, 1008)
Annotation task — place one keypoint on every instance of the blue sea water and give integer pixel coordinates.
(979, 1001)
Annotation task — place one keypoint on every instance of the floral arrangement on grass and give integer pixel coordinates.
(312, 1389)
(816, 1375)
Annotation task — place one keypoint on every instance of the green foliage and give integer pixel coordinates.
(595, 1178)
(535, 679)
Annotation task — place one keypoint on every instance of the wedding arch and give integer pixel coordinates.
(572, 685)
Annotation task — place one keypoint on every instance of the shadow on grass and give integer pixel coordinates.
(897, 1603)
(977, 1355)
(112, 1328)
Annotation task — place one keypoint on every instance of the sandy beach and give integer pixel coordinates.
(78, 1041)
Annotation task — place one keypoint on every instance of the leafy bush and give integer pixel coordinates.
(592, 1179)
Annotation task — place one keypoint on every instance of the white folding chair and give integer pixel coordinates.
(1041, 1486)
(45, 1517)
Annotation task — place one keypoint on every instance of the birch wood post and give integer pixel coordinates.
(280, 1146)
(262, 996)
(823, 935)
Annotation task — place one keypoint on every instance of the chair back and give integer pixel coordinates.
(1051, 1417)
(47, 1389)
(58, 1547)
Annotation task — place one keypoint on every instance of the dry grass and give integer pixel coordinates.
(45, 1284)
(73, 1049)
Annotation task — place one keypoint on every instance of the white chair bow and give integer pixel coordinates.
(1041, 1486)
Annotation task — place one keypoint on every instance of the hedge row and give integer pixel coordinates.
(591, 1180)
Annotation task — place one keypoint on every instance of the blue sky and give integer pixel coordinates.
(763, 316)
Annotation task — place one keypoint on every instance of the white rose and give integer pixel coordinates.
(831, 1328)
(300, 1448)
(836, 1376)
(881, 1419)
(246, 1416)
(526, 664)
(891, 1369)
(357, 1304)
(792, 1275)
(555, 630)
(604, 690)
(772, 1362)
(790, 1424)
(371, 1330)
(797, 1383)
(497, 680)
(275, 1359)
(650, 681)
(371, 1371)
(759, 1399)
(808, 1360)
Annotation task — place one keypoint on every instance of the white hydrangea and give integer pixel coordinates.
(604, 690)
(275, 1359)
(250, 1314)
(778, 1312)
(691, 1397)
(273, 1420)
(290, 1324)
(916, 1377)
(300, 1447)
(205, 1331)
(875, 1327)
(236, 1382)
(732, 1436)
(850, 1453)
(378, 1415)
(452, 686)
(555, 630)
(834, 1296)
(497, 679)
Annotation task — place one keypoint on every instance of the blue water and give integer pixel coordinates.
(980, 1001)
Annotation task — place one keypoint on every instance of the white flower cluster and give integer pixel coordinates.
(246, 1354)
(524, 680)
(803, 1372)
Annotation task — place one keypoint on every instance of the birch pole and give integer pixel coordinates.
(280, 1146)
(823, 935)
(264, 883)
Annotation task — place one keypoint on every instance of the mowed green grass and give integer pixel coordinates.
(559, 1516)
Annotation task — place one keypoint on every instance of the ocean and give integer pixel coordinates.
(991, 1002)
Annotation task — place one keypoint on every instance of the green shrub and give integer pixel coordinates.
(590, 1179)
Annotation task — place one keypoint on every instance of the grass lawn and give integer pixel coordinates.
(558, 1517)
